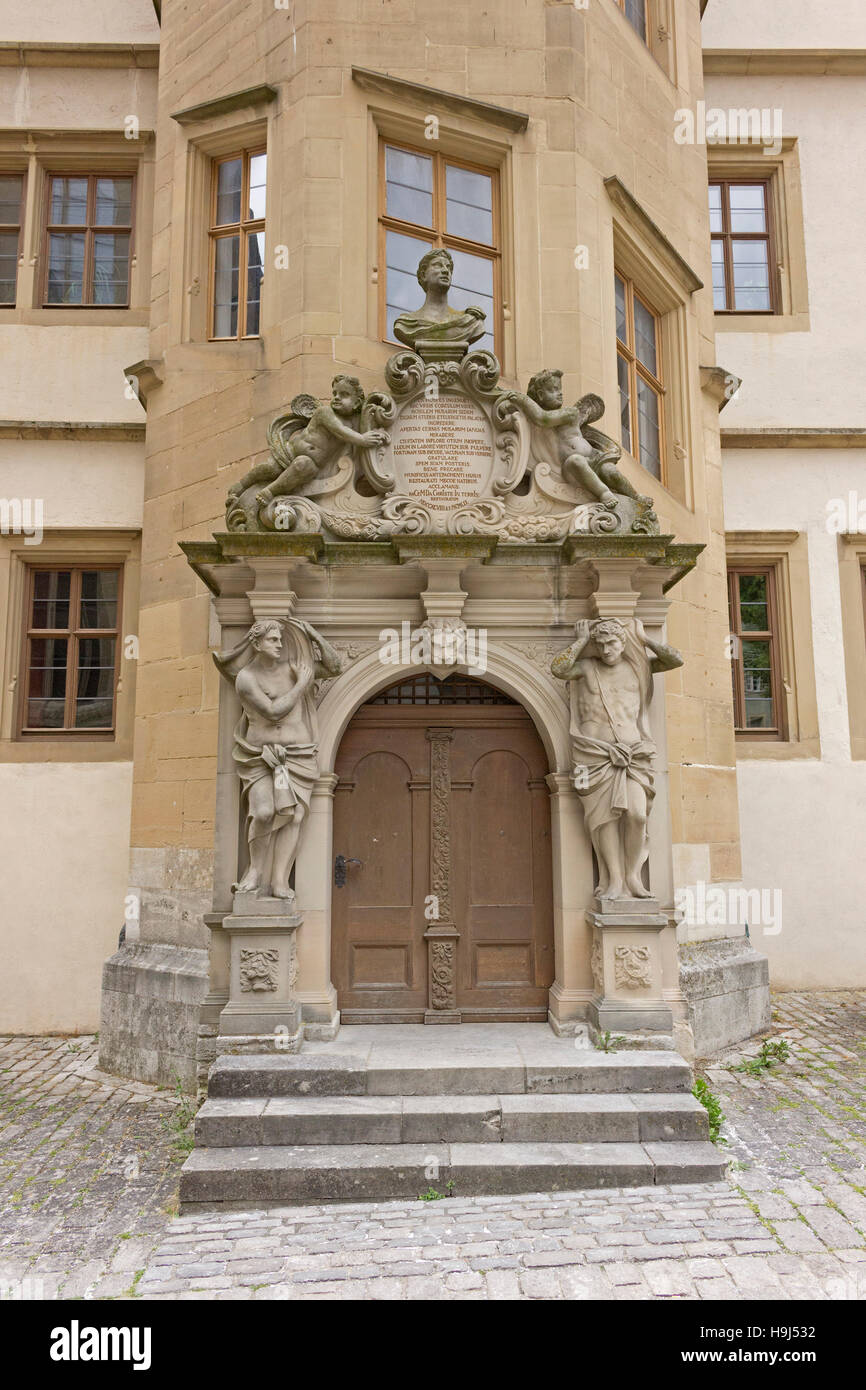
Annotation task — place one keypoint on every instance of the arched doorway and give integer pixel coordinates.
(442, 854)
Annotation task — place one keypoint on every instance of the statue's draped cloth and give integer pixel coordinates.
(293, 768)
(610, 766)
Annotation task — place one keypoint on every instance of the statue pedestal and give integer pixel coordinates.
(627, 967)
(262, 971)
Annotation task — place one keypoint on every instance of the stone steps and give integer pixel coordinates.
(508, 1119)
(510, 1111)
(564, 1070)
(368, 1172)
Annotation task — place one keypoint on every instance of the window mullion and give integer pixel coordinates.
(72, 647)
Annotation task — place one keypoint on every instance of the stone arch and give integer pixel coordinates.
(510, 670)
(507, 669)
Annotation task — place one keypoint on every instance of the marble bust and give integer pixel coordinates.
(436, 322)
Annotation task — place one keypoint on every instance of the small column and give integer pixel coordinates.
(442, 935)
(572, 888)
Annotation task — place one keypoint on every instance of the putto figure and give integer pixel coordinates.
(611, 688)
(436, 322)
(585, 456)
(306, 444)
(276, 741)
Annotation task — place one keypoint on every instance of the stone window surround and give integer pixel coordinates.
(460, 138)
(661, 33)
(786, 553)
(214, 131)
(38, 156)
(852, 584)
(59, 548)
(643, 253)
(782, 173)
(492, 250)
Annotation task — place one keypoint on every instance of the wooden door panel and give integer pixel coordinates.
(499, 854)
(381, 814)
(503, 897)
(381, 832)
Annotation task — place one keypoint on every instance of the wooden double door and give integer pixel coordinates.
(442, 901)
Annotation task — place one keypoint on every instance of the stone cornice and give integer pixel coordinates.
(97, 431)
(79, 55)
(212, 560)
(773, 437)
(651, 232)
(420, 94)
(262, 95)
(821, 62)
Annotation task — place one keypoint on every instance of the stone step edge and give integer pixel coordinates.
(246, 1122)
(358, 1172)
(267, 1076)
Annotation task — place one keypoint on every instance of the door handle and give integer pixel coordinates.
(341, 863)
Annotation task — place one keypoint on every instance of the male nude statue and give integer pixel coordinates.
(613, 753)
(275, 745)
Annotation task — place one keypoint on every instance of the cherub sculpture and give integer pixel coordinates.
(307, 443)
(586, 456)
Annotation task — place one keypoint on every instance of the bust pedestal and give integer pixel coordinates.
(627, 966)
(262, 972)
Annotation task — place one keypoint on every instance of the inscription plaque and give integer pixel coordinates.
(442, 451)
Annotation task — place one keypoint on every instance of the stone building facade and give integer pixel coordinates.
(590, 228)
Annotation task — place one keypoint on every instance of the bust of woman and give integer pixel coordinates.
(436, 321)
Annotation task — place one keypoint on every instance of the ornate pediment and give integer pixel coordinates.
(444, 451)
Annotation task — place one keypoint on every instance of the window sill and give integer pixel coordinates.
(56, 316)
(776, 749)
(761, 323)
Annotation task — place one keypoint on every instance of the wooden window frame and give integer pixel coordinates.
(773, 635)
(627, 351)
(242, 230)
(89, 229)
(727, 238)
(436, 235)
(15, 227)
(73, 634)
(648, 20)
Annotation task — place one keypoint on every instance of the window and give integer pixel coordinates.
(637, 14)
(429, 200)
(429, 690)
(71, 653)
(638, 368)
(11, 208)
(742, 247)
(237, 244)
(755, 662)
(88, 239)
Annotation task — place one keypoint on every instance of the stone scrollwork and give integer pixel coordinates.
(596, 965)
(442, 989)
(448, 452)
(258, 970)
(632, 967)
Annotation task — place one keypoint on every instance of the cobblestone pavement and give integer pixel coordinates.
(88, 1171)
(789, 1222)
